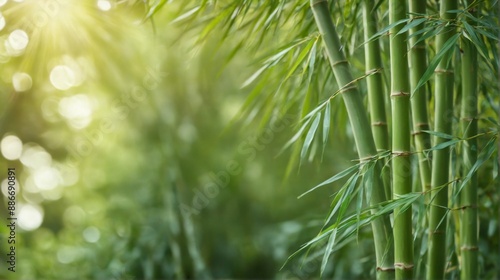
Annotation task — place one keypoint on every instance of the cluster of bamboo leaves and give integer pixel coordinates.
(423, 115)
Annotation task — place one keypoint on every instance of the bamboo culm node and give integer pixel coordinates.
(386, 268)
(444, 71)
(404, 266)
(400, 94)
(401, 153)
(469, 248)
(379, 124)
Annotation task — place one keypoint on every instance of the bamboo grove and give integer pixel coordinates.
(416, 85)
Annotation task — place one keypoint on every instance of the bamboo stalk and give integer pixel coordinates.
(375, 86)
(419, 99)
(401, 141)
(441, 158)
(468, 198)
(362, 133)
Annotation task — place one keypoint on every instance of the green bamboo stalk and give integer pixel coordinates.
(362, 133)
(419, 99)
(401, 141)
(373, 64)
(468, 198)
(436, 261)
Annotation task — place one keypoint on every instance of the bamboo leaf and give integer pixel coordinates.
(334, 178)
(311, 61)
(439, 134)
(412, 23)
(328, 250)
(347, 197)
(315, 110)
(155, 8)
(447, 47)
(310, 136)
(385, 30)
(326, 123)
(296, 136)
(472, 36)
(485, 154)
(300, 58)
(254, 76)
(443, 145)
(429, 32)
(340, 198)
(185, 15)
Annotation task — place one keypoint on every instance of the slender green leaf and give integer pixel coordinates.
(411, 24)
(326, 122)
(439, 134)
(334, 178)
(310, 136)
(300, 58)
(254, 76)
(444, 145)
(296, 136)
(385, 30)
(485, 154)
(447, 47)
(328, 250)
(185, 15)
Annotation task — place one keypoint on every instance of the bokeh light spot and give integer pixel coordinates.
(104, 5)
(18, 40)
(62, 77)
(5, 187)
(21, 82)
(74, 215)
(30, 217)
(67, 255)
(2, 21)
(91, 234)
(12, 147)
(77, 109)
(35, 156)
(47, 178)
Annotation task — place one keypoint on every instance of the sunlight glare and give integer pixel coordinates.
(3, 2)
(11, 147)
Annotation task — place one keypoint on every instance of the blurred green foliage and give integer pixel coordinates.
(160, 128)
(154, 174)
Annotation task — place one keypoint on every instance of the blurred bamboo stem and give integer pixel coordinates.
(441, 158)
(401, 141)
(373, 63)
(418, 66)
(362, 133)
(468, 198)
